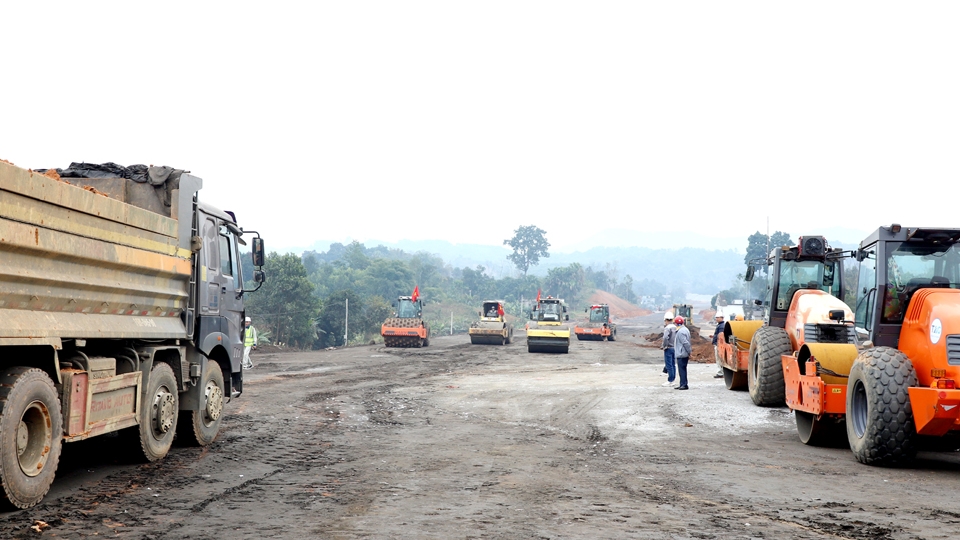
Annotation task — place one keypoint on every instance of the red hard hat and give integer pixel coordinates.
(678, 320)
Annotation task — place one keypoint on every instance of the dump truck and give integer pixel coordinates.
(598, 325)
(805, 285)
(900, 379)
(119, 312)
(492, 328)
(406, 328)
(547, 330)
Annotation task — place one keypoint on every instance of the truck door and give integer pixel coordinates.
(231, 296)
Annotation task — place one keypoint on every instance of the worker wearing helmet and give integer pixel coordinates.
(682, 351)
(716, 350)
(669, 337)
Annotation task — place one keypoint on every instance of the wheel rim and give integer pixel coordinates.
(214, 397)
(34, 438)
(858, 412)
(755, 367)
(164, 411)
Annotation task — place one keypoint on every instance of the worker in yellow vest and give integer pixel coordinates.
(249, 342)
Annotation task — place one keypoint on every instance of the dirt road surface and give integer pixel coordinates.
(477, 441)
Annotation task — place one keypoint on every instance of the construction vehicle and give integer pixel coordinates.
(492, 328)
(113, 317)
(547, 331)
(598, 326)
(805, 285)
(900, 381)
(406, 328)
(686, 311)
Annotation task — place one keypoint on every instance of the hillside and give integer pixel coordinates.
(619, 308)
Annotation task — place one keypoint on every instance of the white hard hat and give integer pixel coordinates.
(247, 319)
(719, 315)
(668, 316)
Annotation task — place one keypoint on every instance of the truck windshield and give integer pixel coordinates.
(598, 315)
(913, 266)
(796, 275)
(408, 310)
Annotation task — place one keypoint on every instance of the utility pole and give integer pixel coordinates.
(346, 321)
(451, 323)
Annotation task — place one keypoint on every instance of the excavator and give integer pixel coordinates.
(806, 286)
(899, 378)
(406, 328)
(598, 327)
(547, 330)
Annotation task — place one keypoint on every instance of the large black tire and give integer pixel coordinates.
(734, 380)
(880, 425)
(159, 412)
(200, 428)
(613, 334)
(764, 369)
(31, 430)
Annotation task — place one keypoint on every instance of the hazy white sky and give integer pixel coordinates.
(462, 121)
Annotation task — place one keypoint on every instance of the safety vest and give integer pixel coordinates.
(250, 337)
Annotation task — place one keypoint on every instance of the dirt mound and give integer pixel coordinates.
(707, 314)
(619, 308)
(701, 347)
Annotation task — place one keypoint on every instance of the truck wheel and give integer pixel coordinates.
(158, 412)
(734, 380)
(31, 427)
(200, 428)
(880, 424)
(510, 336)
(613, 335)
(818, 431)
(764, 370)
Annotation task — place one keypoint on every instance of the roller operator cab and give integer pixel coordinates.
(805, 284)
(547, 330)
(598, 325)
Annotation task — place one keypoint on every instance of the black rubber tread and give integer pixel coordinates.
(154, 448)
(765, 371)
(815, 431)
(880, 425)
(613, 334)
(734, 380)
(19, 387)
(192, 427)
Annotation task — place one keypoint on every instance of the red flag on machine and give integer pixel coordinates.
(416, 293)
(538, 296)
(500, 309)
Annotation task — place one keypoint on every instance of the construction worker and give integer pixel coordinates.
(716, 350)
(669, 337)
(683, 349)
(249, 342)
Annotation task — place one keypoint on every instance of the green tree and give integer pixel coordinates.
(757, 246)
(529, 243)
(331, 319)
(565, 282)
(286, 305)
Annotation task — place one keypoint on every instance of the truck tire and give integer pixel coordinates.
(158, 413)
(764, 369)
(613, 334)
(31, 429)
(880, 425)
(200, 428)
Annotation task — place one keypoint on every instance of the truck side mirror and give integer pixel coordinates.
(749, 276)
(257, 251)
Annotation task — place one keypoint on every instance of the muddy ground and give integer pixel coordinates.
(470, 441)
